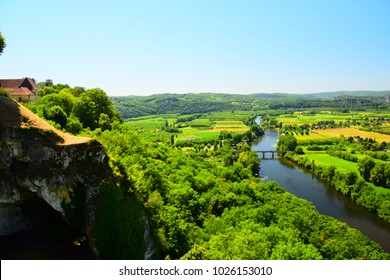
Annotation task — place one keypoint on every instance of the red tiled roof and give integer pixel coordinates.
(11, 84)
(22, 91)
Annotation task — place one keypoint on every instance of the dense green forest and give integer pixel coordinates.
(205, 203)
(367, 186)
(210, 206)
(135, 106)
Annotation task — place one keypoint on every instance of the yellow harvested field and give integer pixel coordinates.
(229, 128)
(229, 125)
(346, 132)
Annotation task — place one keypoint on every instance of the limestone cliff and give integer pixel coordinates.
(39, 162)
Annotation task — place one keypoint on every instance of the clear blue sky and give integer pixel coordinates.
(147, 47)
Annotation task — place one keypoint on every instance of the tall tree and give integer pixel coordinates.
(365, 167)
(287, 143)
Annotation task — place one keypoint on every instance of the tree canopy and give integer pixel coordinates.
(2, 43)
(287, 143)
(74, 109)
(211, 206)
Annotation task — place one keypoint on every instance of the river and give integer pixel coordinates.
(324, 197)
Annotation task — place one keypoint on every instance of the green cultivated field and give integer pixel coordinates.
(205, 127)
(325, 159)
(230, 115)
(322, 159)
(200, 123)
(300, 119)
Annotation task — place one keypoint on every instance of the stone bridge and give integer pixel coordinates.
(273, 152)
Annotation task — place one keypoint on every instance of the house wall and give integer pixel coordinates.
(23, 98)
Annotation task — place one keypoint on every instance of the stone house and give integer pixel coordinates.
(21, 90)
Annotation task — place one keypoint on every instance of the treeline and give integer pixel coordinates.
(350, 184)
(359, 186)
(135, 106)
(365, 145)
(375, 172)
(341, 104)
(209, 205)
(75, 109)
(183, 104)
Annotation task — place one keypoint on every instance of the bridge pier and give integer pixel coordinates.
(272, 153)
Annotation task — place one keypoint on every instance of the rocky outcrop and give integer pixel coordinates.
(38, 161)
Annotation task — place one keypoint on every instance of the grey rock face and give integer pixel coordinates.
(35, 163)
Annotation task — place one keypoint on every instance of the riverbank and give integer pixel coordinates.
(304, 184)
(349, 184)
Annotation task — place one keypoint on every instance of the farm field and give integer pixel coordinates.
(229, 115)
(346, 132)
(205, 127)
(190, 133)
(328, 160)
(149, 123)
(299, 119)
(343, 165)
(230, 126)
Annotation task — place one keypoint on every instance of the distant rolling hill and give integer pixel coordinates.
(194, 103)
(359, 93)
(323, 95)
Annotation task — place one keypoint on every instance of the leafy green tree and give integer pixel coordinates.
(2, 43)
(104, 122)
(66, 100)
(287, 143)
(46, 90)
(48, 83)
(102, 101)
(328, 173)
(387, 175)
(257, 130)
(73, 125)
(85, 111)
(56, 114)
(384, 210)
(295, 251)
(77, 91)
(365, 166)
(228, 159)
(90, 105)
(3, 92)
(250, 160)
(378, 176)
(299, 150)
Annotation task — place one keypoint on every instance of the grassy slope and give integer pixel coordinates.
(15, 115)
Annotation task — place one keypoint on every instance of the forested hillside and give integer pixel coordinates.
(208, 205)
(205, 203)
(135, 106)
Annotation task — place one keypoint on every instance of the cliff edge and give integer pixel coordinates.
(39, 162)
